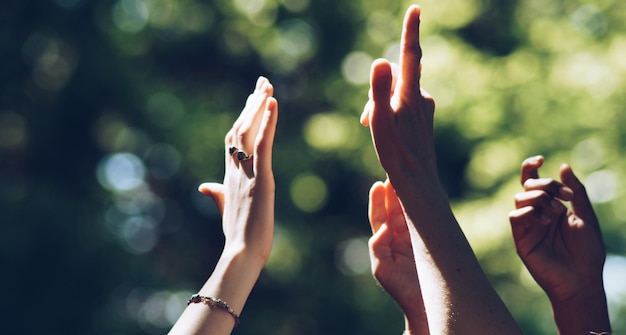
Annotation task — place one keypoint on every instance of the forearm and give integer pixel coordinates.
(584, 313)
(232, 281)
(458, 297)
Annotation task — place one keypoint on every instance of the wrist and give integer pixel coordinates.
(236, 258)
(428, 189)
(415, 323)
(582, 312)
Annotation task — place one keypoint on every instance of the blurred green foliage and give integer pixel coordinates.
(112, 112)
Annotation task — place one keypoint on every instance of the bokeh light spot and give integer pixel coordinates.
(616, 52)
(175, 305)
(589, 154)
(139, 234)
(614, 284)
(590, 20)
(356, 67)
(492, 161)
(197, 18)
(284, 49)
(131, 140)
(297, 39)
(352, 256)
(106, 129)
(595, 76)
(330, 132)
(381, 27)
(235, 42)
(614, 274)
(13, 132)
(455, 14)
(173, 19)
(130, 15)
(153, 310)
(140, 201)
(601, 186)
(285, 260)
(156, 310)
(260, 12)
(309, 192)
(121, 172)
(53, 61)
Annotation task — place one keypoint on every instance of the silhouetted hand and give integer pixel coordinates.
(400, 113)
(562, 248)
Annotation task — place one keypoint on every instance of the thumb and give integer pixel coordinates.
(216, 192)
(365, 116)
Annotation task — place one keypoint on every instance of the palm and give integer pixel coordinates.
(561, 248)
(559, 256)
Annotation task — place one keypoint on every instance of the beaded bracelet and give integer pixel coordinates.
(591, 332)
(214, 302)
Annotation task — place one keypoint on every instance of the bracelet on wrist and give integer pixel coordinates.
(214, 302)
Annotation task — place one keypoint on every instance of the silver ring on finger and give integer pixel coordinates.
(241, 155)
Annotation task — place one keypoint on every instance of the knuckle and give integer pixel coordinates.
(241, 136)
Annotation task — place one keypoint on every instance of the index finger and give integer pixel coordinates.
(410, 54)
(530, 167)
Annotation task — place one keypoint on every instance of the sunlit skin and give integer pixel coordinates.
(457, 296)
(246, 202)
(562, 248)
(391, 255)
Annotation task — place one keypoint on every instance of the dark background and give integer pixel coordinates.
(112, 112)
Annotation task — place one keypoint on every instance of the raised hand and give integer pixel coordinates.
(562, 248)
(246, 201)
(400, 114)
(391, 255)
(457, 295)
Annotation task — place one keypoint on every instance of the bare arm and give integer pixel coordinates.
(457, 295)
(246, 200)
